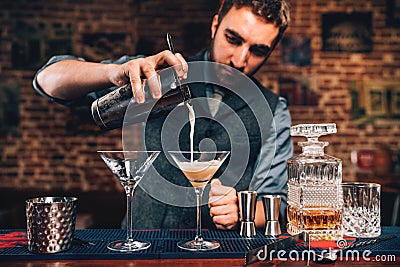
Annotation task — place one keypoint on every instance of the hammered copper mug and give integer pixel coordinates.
(50, 223)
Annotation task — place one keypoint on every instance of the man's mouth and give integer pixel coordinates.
(227, 71)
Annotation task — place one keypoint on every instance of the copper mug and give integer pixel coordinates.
(50, 223)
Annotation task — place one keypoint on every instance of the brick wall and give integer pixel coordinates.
(48, 150)
(333, 74)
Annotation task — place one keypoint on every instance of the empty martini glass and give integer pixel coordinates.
(129, 167)
(199, 172)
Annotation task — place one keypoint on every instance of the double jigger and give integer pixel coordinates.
(247, 211)
(272, 204)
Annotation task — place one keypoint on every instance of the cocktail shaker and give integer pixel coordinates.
(109, 110)
(247, 209)
(271, 205)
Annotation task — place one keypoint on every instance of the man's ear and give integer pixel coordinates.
(214, 26)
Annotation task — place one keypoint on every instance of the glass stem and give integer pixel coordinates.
(199, 193)
(129, 189)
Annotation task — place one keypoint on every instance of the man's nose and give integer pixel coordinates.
(240, 57)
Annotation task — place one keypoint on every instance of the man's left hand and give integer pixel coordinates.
(223, 204)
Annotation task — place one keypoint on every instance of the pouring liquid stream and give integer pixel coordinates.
(187, 103)
(198, 173)
(192, 121)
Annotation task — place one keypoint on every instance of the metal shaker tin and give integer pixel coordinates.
(50, 223)
(109, 110)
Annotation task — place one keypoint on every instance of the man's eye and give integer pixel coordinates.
(259, 51)
(233, 40)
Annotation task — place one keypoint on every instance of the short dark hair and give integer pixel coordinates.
(273, 11)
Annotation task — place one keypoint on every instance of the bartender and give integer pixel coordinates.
(243, 35)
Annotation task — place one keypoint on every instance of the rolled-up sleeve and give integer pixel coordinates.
(90, 97)
(270, 173)
(51, 61)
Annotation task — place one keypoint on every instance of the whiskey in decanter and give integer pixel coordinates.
(314, 186)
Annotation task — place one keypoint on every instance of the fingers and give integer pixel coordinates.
(217, 190)
(224, 225)
(216, 182)
(224, 210)
(143, 68)
(223, 205)
(154, 84)
(220, 194)
(166, 57)
(184, 65)
(222, 199)
(146, 68)
(225, 217)
(136, 83)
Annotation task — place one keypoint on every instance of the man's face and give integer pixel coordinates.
(242, 40)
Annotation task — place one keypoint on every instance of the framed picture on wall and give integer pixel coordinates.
(296, 50)
(395, 101)
(383, 93)
(376, 102)
(34, 42)
(101, 45)
(347, 32)
(393, 13)
(9, 106)
(376, 99)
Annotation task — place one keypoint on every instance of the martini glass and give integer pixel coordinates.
(129, 167)
(199, 172)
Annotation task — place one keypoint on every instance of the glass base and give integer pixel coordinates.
(316, 235)
(128, 246)
(201, 246)
(374, 233)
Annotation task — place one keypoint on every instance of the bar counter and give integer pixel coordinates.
(164, 252)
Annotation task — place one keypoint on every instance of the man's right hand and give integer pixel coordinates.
(135, 70)
(71, 79)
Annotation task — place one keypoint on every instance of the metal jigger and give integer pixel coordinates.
(247, 209)
(272, 204)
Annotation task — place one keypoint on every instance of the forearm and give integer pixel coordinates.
(71, 79)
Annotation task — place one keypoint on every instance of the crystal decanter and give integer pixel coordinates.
(314, 186)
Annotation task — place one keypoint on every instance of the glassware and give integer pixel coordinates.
(314, 186)
(199, 172)
(129, 167)
(361, 209)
